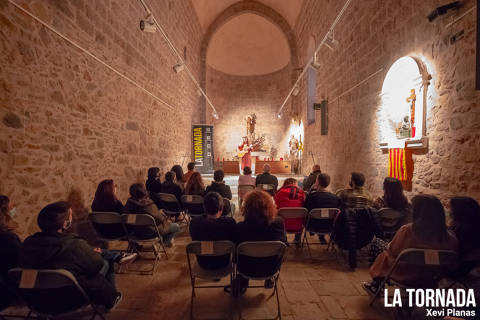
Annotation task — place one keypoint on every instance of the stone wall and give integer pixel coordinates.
(235, 97)
(373, 34)
(67, 121)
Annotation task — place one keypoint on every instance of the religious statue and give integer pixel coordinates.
(293, 146)
(404, 130)
(251, 121)
(412, 99)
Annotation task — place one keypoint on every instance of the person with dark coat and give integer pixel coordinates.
(394, 198)
(266, 177)
(153, 183)
(105, 199)
(260, 224)
(218, 185)
(53, 248)
(140, 203)
(9, 249)
(179, 175)
(213, 227)
(170, 186)
(312, 177)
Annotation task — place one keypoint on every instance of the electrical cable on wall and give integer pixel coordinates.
(179, 57)
(73, 43)
(329, 32)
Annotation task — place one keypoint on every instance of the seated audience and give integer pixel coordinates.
(266, 177)
(465, 224)
(356, 196)
(170, 185)
(260, 224)
(309, 181)
(140, 203)
(153, 183)
(246, 178)
(191, 170)
(319, 197)
(195, 185)
(218, 185)
(53, 248)
(9, 248)
(290, 195)
(394, 198)
(179, 175)
(428, 231)
(213, 227)
(105, 199)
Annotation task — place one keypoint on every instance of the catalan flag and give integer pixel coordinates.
(397, 164)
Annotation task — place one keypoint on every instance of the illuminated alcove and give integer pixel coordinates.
(403, 110)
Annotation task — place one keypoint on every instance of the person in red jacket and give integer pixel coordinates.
(290, 195)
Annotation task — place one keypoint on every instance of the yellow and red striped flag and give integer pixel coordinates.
(397, 164)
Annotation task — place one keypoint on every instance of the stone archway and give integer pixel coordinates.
(248, 6)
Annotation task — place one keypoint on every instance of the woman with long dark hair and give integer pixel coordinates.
(153, 182)
(178, 174)
(195, 185)
(428, 231)
(106, 199)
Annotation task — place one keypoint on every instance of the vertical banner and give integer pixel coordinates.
(202, 147)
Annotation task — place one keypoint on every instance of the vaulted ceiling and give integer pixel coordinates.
(247, 44)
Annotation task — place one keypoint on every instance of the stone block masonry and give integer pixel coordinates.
(67, 121)
(373, 34)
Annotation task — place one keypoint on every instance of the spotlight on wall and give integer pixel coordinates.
(199, 93)
(279, 115)
(178, 68)
(295, 91)
(215, 115)
(315, 64)
(444, 9)
(148, 25)
(330, 42)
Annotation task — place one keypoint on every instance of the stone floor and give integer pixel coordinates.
(317, 287)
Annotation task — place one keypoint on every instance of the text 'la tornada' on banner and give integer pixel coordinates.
(202, 147)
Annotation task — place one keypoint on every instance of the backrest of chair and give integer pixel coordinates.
(260, 259)
(227, 207)
(169, 202)
(390, 217)
(193, 204)
(320, 220)
(49, 291)
(266, 187)
(140, 226)
(243, 189)
(292, 212)
(211, 248)
(108, 225)
(324, 213)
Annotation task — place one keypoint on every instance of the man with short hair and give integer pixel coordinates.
(266, 177)
(319, 197)
(309, 181)
(218, 185)
(191, 170)
(212, 226)
(356, 196)
(53, 248)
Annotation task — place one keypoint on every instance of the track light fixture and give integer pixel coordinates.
(178, 68)
(315, 64)
(199, 93)
(331, 42)
(215, 115)
(148, 25)
(279, 115)
(295, 91)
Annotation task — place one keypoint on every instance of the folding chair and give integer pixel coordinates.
(171, 206)
(108, 226)
(228, 208)
(51, 293)
(320, 222)
(436, 262)
(204, 250)
(269, 188)
(251, 259)
(142, 230)
(294, 220)
(390, 221)
(193, 204)
(243, 189)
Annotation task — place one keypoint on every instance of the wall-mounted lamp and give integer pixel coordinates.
(331, 42)
(178, 68)
(279, 115)
(444, 9)
(215, 115)
(315, 64)
(148, 25)
(296, 91)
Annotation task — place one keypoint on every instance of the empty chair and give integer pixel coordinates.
(261, 260)
(243, 189)
(142, 231)
(294, 219)
(170, 205)
(269, 188)
(433, 263)
(320, 222)
(391, 221)
(209, 249)
(51, 293)
(193, 205)
(108, 225)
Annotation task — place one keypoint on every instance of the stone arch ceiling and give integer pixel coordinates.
(248, 44)
(208, 10)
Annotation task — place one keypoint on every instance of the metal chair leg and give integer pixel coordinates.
(382, 285)
(191, 298)
(279, 313)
